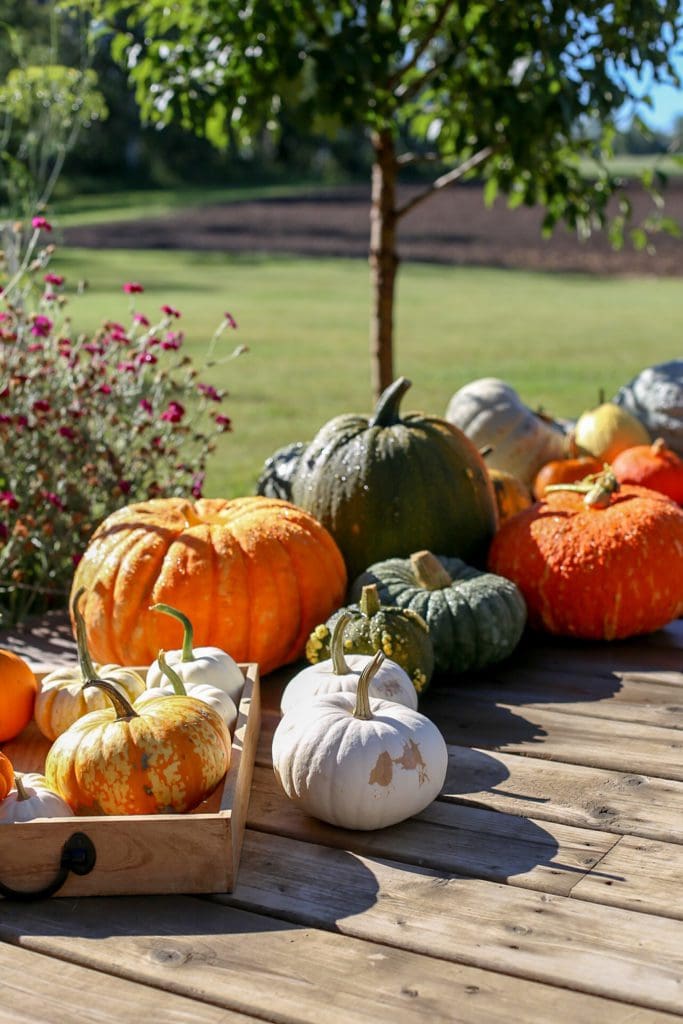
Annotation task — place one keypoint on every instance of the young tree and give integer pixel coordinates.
(478, 86)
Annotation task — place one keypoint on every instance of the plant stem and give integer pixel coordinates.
(339, 665)
(362, 709)
(188, 630)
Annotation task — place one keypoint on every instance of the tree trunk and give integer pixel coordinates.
(383, 262)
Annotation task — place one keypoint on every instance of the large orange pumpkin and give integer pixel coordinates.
(254, 574)
(596, 572)
(18, 689)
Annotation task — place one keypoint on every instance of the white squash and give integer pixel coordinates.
(31, 799)
(340, 674)
(356, 762)
(200, 664)
(217, 699)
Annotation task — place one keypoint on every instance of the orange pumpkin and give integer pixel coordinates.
(255, 575)
(6, 775)
(18, 689)
(164, 759)
(651, 465)
(512, 495)
(602, 571)
(564, 471)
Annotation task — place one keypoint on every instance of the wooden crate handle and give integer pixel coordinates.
(78, 855)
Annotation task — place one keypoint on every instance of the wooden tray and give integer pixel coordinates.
(197, 852)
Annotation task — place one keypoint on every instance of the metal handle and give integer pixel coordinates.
(78, 855)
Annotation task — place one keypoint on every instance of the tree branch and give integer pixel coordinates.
(405, 159)
(424, 45)
(446, 179)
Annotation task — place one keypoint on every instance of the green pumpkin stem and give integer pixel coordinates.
(598, 488)
(339, 665)
(369, 602)
(429, 572)
(171, 674)
(362, 708)
(122, 706)
(188, 629)
(386, 411)
(85, 662)
(21, 788)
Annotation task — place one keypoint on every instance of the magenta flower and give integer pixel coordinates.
(41, 326)
(55, 279)
(209, 392)
(21, 421)
(146, 357)
(174, 413)
(124, 486)
(35, 347)
(41, 405)
(104, 389)
(197, 484)
(224, 422)
(5, 418)
(53, 499)
(132, 288)
(9, 499)
(170, 311)
(230, 320)
(172, 340)
(41, 222)
(145, 404)
(126, 367)
(68, 432)
(141, 319)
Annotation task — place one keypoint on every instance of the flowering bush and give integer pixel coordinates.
(87, 423)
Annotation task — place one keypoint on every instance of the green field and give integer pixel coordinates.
(556, 338)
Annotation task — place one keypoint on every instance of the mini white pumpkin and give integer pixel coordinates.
(199, 665)
(217, 699)
(340, 674)
(32, 799)
(356, 762)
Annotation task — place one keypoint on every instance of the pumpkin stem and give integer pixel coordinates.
(85, 662)
(188, 629)
(362, 708)
(659, 446)
(171, 675)
(339, 665)
(369, 602)
(122, 706)
(21, 788)
(190, 516)
(429, 572)
(597, 487)
(386, 410)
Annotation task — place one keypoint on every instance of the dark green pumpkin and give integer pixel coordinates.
(387, 485)
(401, 634)
(475, 618)
(275, 480)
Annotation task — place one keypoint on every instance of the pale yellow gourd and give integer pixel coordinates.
(607, 430)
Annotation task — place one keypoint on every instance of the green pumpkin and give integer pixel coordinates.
(275, 480)
(401, 634)
(386, 485)
(475, 618)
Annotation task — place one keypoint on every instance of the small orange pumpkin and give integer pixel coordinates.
(564, 471)
(512, 495)
(651, 465)
(609, 569)
(6, 775)
(254, 574)
(18, 689)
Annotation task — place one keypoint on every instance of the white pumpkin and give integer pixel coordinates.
(356, 762)
(340, 674)
(200, 664)
(31, 799)
(217, 699)
(492, 415)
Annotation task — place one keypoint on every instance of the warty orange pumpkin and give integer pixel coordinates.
(255, 575)
(609, 569)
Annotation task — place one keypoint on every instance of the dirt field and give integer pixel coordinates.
(452, 227)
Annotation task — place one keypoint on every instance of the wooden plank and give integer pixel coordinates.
(572, 944)
(454, 838)
(38, 988)
(638, 874)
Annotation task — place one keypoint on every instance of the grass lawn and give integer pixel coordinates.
(556, 338)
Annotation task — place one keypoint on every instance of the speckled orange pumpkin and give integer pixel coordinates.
(596, 572)
(651, 465)
(254, 574)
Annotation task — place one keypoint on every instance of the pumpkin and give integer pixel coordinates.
(654, 466)
(386, 483)
(255, 574)
(62, 697)
(596, 560)
(33, 798)
(564, 471)
(655, 397)
(6, 775)
(356, 762)
(209, 666)
(275, 480)
(606, 430)
(164, 759)
(341, 674)
(493, 415)
(18, 689)
(512, 495)
(216, 698)
(401, 634)
(475, 618)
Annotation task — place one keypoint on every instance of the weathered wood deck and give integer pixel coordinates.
(544, 885)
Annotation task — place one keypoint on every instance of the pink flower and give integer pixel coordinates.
(53, 499)
(141, 319)
(41, 326)
(41, 222)
(174, 413)
(230, 320)
(104, 389)
(126, 367)
(146, 357)
(50, 296)
(68, 432)
(172, 340)
(170, 311)
(41, 405)
(145, 404)
(198, 484)
(35, 347)
(132, 288)
(9, 499)
(224, 422)
(55, 279)
(209, 392)
(21, 421)
(5, 418)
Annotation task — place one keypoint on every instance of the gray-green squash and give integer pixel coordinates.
(655, 397)
(275, 480)
(475, 618)
(400, 633)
